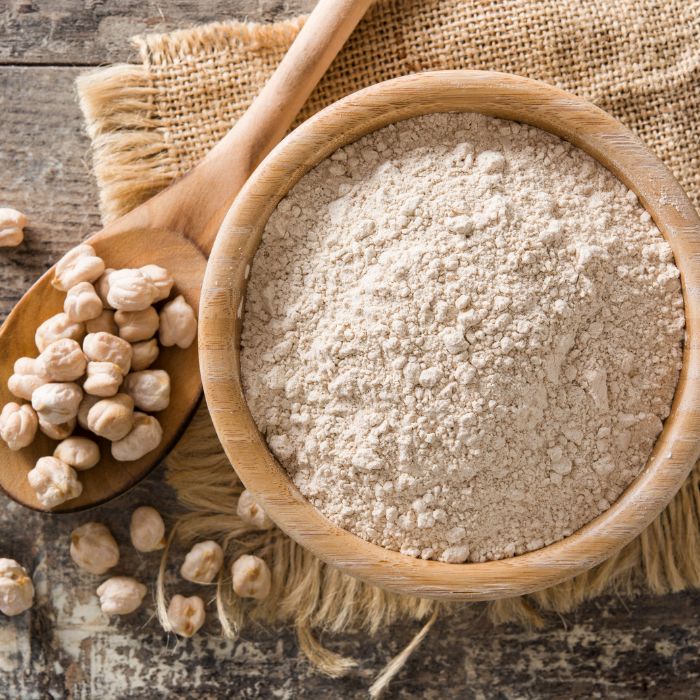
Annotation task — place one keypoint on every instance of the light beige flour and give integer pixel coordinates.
(461, 337)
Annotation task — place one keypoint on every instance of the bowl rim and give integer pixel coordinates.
(505, 96)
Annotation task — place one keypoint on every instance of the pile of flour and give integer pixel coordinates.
(461, 337)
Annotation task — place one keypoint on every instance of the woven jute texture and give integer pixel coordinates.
(150, 123)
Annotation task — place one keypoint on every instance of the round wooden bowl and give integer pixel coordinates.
(499, 95)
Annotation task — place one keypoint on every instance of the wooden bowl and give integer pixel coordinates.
(499, 95)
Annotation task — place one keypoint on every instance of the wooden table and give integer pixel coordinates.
(612, 648)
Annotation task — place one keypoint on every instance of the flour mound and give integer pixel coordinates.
(461, 337)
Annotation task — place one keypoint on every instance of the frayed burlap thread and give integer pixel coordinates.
(150, 123)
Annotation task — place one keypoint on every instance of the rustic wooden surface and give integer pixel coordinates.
(612, 648)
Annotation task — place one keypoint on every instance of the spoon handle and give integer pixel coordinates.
(196, 204)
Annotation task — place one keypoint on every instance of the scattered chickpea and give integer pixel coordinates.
(102, 286)
(105, 347)
(251, 513)
(104, 323)
(81, 453)
(144, 354)
(144, 437)
(93, 548)
(103, 379)
(161, 279)
(57, 431)
(112, 418)
(147, 529)
(82, 303)
(203, 562)
(57, 327)
(81, 264)
(186, 615)
(57, 402)
(130, 290)
(178, 325)
(137, 325)
(251, 577)
(16, 588)
(150, 389)
(121, 595)
(18, 425)
(12, 223)
(28, 376)
(54, 482)
(63, 361)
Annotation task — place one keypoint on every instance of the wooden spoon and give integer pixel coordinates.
(175, 229)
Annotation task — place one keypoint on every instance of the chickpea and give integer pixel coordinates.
(130, 290)
(93, 548)
(80, 264)
(144, 354)
(63, 361)
(57, 402)
(54, 482)
(144, 437)
(82, 303)
(137, 325)
(18, 425)
(121, 595)
(57, 327)
(84, 409)
(102, 286)
(103, 379)
(12, 223)
(203, 562)
(161, 279)
(78, 452)
(16, 588)
(112, 418)
(251, 577)
(150, 389)
(178, 325)
(58, 431)
(186, 615)
(104, 323)
(28, 376)
(251, 513)
(104, 347)
(147, 529)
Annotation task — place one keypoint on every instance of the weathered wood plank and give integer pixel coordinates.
(75, 32)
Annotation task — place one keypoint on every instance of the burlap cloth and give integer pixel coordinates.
(150, 123)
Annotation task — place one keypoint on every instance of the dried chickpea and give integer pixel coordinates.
(104, 323)
(12, 223)
(103, 379)
(54, 482)
(78, 452)
(104, 347)
(161, 279)
(58, 431)
(251, 577)
(203, 562)
(150, 389)
(251, 513)
(63, 361)
(102, 286)
(130, 290)
(137, 325)
(121, 595)
(144, 437)
(82, 303)
(57, 402)
(147, 529)
(186, 615)
(81, 264)
(28, 376)
(16, 588)
(178, 325)
(93, 548)
(18, 425)
(57, 327)
(84, 409)
(144, 354)
(112, 418)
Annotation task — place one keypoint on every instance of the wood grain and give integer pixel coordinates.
(500, 95)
